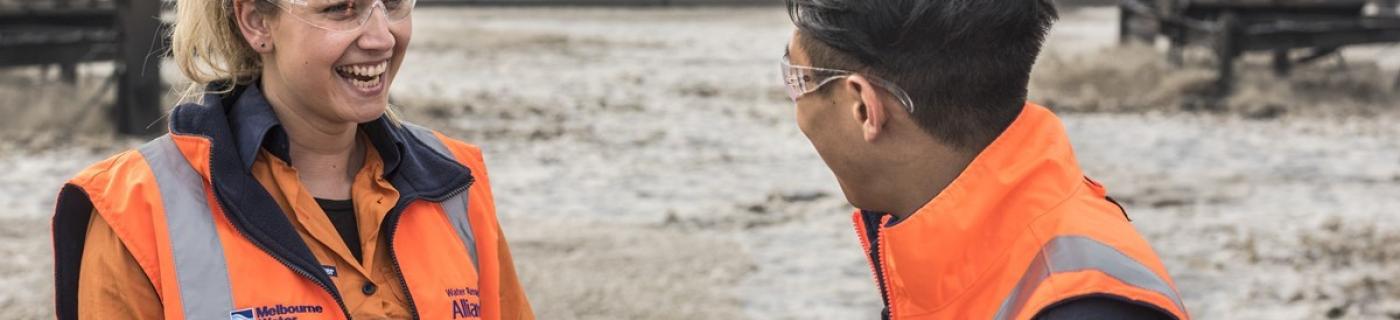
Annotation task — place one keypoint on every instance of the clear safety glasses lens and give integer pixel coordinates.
(801, 80)
(345, 15)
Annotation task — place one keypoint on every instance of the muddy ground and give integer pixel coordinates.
(647, 165)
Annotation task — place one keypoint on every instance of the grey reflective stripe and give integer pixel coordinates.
(455, 207)
(427, 137)
(1076, 253)
(200, 269)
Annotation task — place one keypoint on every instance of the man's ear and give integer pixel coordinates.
(869, 110)
(254, 25)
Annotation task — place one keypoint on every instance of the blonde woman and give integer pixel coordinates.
(289, 190)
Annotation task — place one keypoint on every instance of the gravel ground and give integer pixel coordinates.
(647, 166)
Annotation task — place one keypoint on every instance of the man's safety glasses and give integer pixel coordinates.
(344, 15)
(802, 80)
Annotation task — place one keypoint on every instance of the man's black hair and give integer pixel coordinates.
(965, 63)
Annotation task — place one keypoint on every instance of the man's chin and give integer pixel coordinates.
(852, 194)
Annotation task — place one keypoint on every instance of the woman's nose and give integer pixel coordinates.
(375, 33)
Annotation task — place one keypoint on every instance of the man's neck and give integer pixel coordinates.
(912, 181)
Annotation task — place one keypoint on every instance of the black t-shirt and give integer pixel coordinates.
(342, 215)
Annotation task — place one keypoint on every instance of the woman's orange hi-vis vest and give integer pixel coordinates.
(1020, 230)
(205, 263)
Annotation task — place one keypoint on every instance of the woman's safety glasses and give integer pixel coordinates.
(802, 80)
(344, 15)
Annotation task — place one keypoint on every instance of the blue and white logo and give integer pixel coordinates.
(330, 270)
(245, 314)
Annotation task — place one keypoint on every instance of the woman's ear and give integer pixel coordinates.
(254, 25)
(869, 109)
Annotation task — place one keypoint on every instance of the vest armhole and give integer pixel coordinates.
(1117, 308)
(72, 214)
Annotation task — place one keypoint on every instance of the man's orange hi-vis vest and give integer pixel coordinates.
(1020, 230)
(172, 207)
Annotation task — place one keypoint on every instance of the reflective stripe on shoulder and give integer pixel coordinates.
(200, 268)
(455, 207)
(427, 137)
(1077, 253)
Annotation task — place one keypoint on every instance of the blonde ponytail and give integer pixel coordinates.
(208, 46)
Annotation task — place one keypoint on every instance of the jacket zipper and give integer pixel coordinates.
(412, 307)
(877, 264)
(219, 201)
(393, 256)
(884, 276)
(334, 293)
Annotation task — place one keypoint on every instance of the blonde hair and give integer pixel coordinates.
(208, 46)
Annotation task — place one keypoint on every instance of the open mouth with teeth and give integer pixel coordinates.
(364, 76)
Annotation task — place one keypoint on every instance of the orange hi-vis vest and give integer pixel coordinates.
(216, 247)
(1020, 230)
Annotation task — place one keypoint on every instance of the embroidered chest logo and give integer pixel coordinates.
(275, 312)
(464, 303)
(245, 314)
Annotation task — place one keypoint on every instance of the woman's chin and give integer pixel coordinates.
(365, 113)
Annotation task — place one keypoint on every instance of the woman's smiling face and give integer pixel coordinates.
(335, 75)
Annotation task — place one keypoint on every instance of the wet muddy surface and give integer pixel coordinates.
(646, 165)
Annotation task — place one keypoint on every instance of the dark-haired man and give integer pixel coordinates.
(972, 203)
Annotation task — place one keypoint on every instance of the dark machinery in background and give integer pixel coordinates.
(69, 32)
(130, 33)
(1234, 27)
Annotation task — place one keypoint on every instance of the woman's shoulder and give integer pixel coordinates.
(460, 148)
(466, 153)
(119, 189)
(123, 178)
(117, 165)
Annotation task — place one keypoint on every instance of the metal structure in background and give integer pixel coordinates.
(1234, 27)
(66, 33)
(69, 32)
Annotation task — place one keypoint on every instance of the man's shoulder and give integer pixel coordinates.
(1088, 202)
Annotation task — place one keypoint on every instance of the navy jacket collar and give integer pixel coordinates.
(240, 122)
(255, 127)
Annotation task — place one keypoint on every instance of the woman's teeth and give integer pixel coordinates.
(364, 76)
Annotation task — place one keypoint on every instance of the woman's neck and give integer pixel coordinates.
(326, 154)
(326, 164)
